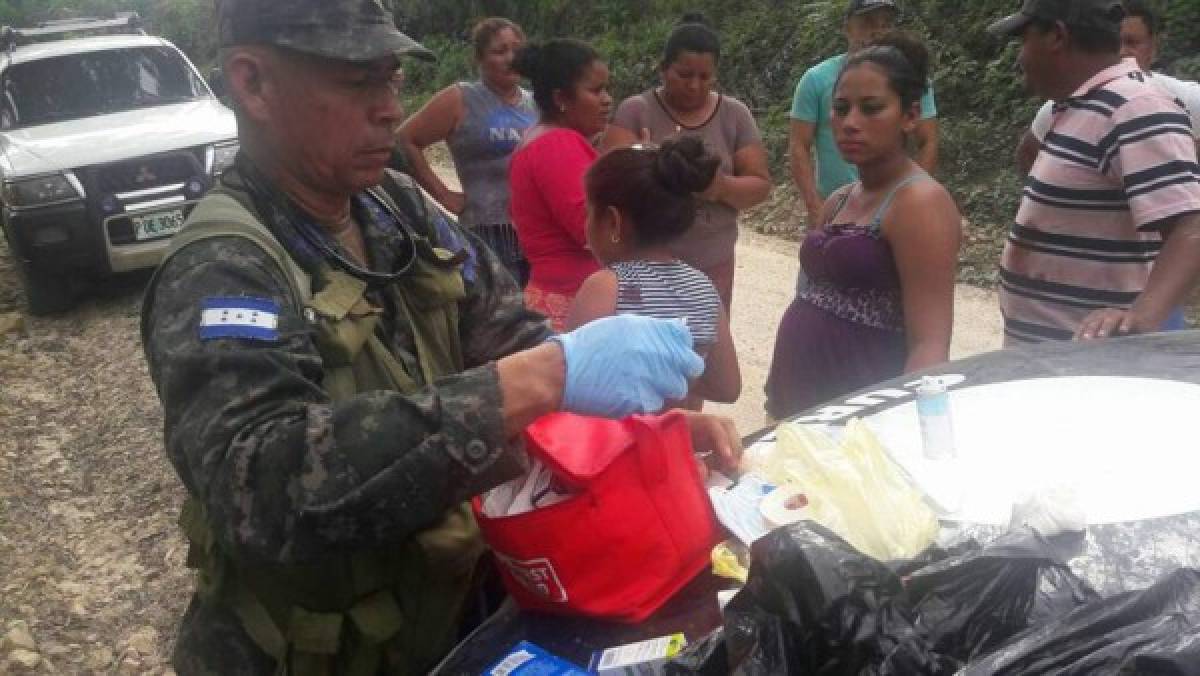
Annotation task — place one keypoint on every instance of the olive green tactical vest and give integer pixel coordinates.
(394, 610)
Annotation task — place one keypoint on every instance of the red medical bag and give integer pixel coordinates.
(639, 527)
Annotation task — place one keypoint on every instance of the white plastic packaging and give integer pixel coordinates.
(1050, 511)
(853, 488)
(737, 507)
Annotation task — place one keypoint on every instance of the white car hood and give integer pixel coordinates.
(117, 136)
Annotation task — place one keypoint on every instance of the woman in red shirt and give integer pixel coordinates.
(548, 203)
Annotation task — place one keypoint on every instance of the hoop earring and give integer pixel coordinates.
(616, 238)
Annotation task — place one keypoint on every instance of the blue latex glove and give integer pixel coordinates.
(617, 366)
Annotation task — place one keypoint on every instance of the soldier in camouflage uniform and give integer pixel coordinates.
(341, 367)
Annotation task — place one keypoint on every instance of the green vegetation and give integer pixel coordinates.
(768, 44)
(187, 23)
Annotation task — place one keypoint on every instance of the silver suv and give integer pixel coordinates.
(106, 142)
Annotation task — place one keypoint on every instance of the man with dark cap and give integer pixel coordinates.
(1107, 237)
(818, 175)
(341, 367)
(1141, 35)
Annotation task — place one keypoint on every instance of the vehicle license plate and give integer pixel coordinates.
(160, 224)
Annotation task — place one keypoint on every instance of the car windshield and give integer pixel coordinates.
(94, 83)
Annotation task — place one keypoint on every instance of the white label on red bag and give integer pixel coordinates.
(538, 576)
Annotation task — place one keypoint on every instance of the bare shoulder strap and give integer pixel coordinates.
(877, 220)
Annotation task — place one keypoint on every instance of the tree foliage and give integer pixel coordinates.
(187, 23)
(767, 46)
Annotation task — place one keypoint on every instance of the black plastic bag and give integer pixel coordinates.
(971, 603)
(814, 604)
(1153, 631)
(706, 657)
(930, 556)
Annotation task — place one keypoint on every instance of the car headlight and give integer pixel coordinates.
(43, 190)
(222, 157)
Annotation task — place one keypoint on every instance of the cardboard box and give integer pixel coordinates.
(526, 659)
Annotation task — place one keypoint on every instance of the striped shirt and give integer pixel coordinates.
(1186, 91)
(1118, 161)
(670, 290)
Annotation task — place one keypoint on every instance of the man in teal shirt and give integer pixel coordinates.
(866, 20)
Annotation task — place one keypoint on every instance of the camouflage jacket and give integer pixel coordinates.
(285, 475)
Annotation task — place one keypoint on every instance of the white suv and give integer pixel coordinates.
(106, 142)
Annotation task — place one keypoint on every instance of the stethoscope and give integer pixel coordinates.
(314, 236)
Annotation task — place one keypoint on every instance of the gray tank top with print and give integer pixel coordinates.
(481, 147)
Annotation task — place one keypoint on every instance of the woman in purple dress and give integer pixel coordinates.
(879, 300)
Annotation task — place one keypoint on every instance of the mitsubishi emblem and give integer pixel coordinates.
(144, 176)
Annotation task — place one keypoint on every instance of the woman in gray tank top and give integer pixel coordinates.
(481, 122)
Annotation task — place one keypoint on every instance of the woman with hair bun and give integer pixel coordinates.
(879, 300)
(570, 87)
(481, 122)
(640, 202)
(685, 104)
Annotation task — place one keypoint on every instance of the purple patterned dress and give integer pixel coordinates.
(845, 328)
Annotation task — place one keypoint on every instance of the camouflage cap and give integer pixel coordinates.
(346, 30)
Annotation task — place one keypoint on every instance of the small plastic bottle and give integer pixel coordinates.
(933, 411)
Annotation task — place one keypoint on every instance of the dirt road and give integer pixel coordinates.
(92, 576)
(765, 280)
(92, 579)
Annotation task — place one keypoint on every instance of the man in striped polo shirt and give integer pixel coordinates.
(1107, 236)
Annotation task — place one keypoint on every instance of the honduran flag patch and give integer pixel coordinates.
(245, 317)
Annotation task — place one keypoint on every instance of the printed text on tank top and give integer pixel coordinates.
(488, 132)
(504, 124)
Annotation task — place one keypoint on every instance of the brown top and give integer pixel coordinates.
(713, 235)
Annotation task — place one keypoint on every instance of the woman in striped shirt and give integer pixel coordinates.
(640, 200)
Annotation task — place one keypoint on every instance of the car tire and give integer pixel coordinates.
(45, 293)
